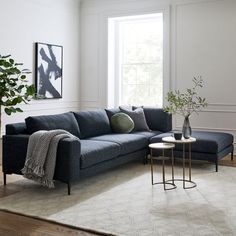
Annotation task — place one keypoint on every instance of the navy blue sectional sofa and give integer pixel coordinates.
(97, 147)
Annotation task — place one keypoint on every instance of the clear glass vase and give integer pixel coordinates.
(187, 131)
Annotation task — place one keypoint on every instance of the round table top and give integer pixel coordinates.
(161, 145)
(171, 139)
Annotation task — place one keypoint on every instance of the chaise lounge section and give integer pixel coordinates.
(97, 148)
(210, 146)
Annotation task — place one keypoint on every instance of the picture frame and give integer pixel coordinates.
(48, 70)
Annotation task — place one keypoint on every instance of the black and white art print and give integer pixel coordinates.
(49, 70)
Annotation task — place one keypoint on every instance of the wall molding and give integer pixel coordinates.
(209, 128)
(89, 6)
(86, 4)
(48, 106)
(191, 2)
(46, 101)
(217, 111)
(222, 104)
(41, 109)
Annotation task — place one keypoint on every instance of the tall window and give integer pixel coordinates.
(135, 65)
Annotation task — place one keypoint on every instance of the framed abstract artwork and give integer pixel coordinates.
(48, 72)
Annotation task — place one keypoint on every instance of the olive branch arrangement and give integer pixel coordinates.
(188, 102)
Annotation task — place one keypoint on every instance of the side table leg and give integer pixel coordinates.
(190, 162)
(172, 165)
(183, 165)
(163, 170)
(151, 160)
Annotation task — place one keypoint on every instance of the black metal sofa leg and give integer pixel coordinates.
(232, 155)
(4, 179)
(145, 159)
(216, 163)
(68, 187)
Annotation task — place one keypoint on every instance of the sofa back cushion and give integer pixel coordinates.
(112, 111)
(64, 121)
(92, 123)
(138, 117)
(157, 119)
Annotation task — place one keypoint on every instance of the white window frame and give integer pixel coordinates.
(113, 79)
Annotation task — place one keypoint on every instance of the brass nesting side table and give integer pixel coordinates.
(184, 142)
(163, 147)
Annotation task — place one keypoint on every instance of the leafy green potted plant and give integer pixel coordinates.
(14, 88)
(186, 103)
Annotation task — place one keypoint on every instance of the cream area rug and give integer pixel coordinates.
(123, 202)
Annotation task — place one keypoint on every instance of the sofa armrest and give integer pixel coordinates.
(16, 128)
(68, 160)
(68, 156)
(14, 149)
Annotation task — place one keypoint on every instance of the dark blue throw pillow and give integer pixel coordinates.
(138, 117)
(112, 111)
(64, 121)
(93, 123)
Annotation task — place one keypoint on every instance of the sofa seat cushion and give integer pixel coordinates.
(148, 134)
(64, 121)
(128, 142)
(207, 142)
(92, 123)
(93, 152)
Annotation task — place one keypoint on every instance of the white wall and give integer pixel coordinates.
(24, 22)
(204, 43)
(202, 36)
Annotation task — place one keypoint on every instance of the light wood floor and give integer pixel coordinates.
(18, 225)
(227, 161)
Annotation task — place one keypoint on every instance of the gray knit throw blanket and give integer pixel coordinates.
(41, 156)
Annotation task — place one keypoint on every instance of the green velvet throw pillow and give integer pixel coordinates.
(121, 123)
